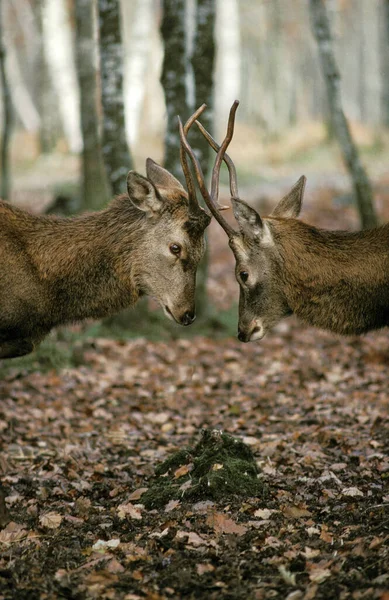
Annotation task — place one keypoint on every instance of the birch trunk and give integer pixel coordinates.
(137, 59)
(58, 44)
(362, 187)
(228, 60)
(94, 185)
(115, 150)
(173, 79)
(7, 115)
(203, 59)
(384, 55)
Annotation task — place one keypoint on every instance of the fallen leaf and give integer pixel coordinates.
(264, 513)
(114, 566)
(295, 512)
(204, 568)
(136, 494)
(352, 491)
(184, 470)
(51, 520)
(223, 524)
(128, 510)
(319, 575)
(13, 532)
(102, 545)
(172, 505)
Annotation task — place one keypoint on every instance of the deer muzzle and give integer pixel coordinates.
(254, 332)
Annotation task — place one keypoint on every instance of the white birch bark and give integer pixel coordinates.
(59, 52)
(138, 47)
(228, 59)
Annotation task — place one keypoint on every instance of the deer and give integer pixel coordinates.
(334, 280)
(59, 270)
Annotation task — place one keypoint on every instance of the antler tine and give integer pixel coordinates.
(200, 179)
(190, 184)
(230, 165)
(221, 152)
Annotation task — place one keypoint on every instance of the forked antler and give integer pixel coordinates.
(211, 198)
(230, 165)
(190, 184)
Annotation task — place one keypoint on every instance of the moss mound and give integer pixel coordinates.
(219, 466)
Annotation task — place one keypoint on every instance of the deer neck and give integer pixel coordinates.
(86, 263)
(337, 280)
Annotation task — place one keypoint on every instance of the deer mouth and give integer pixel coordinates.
(256, 333)
(169, 313)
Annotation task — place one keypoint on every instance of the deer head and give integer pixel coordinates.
(259, 257)
(171, 243)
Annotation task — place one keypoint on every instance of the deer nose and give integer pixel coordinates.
(242, 337)
(188, 318)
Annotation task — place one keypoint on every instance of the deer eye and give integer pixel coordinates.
(175, 249)
(244, 276)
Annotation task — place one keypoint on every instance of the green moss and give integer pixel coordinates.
(218, 467)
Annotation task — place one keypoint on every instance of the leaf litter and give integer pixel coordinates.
(83, 449)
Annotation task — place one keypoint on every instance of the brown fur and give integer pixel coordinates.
(58, 270)
(335, 280)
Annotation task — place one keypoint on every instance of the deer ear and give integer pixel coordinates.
(249, 221)
(142, 193)
(160, 177)
(290, 205)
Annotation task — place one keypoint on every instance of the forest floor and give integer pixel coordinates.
(80, 446)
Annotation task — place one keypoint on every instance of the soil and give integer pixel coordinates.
(82, 447)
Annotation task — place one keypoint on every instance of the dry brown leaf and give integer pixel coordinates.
(223, 524)
(183, 470)
(114, 566)
(319, 575)
(102, 545)
(136, 494)
(204, 568)
(352, 492)
(172, 505)
(13, 532)
(264, 513)
(128, 510)
(51, 520)
(296, 512)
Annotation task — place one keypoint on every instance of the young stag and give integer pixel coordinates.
(59, 270)
(335, 280)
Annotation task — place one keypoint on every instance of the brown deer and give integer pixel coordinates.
(58, 270)
(336, 280)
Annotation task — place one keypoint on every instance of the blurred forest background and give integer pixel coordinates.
(90, 88)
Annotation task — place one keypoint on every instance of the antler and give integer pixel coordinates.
(190, 184)
(211, 199)
(230, 165)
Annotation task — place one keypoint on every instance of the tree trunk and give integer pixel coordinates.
(7, 115)
(58, 45)
(115, 150)
(228, 69)
(173, 79)
(203, 60)
(140, 21)
(361, 183)
(187, 79)
(384, 55)
(94, 185)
